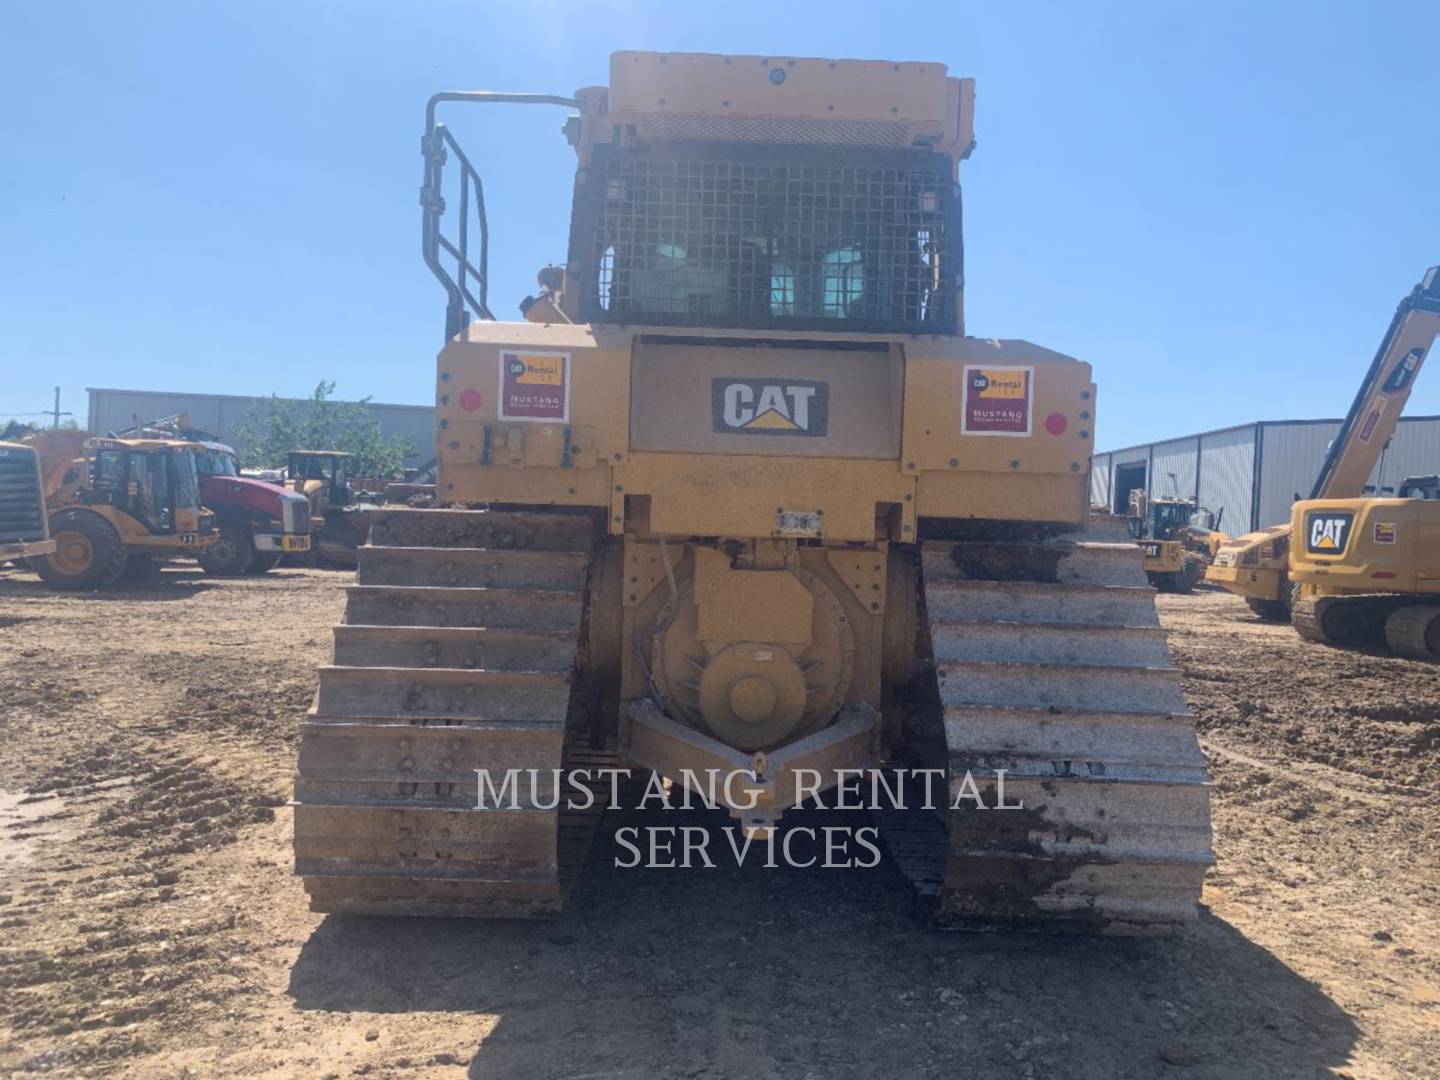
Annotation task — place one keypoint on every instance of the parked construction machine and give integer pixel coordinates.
(117, 505)
(739, 495)
(1177, 537)
(1257, 565)
(322, 477)
(257, 523)
(1368, 570)
(24, 527)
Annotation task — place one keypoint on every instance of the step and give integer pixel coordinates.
(506, 609)
(1109, 821)
(1066, 687)
(533, 896)
(1035, 602)
(1054, 562)
(454, 647)
(473, 567)
(1050, 643)
(1133, 897)
(465, 844)
(509, 697)
(1044, 745)
(535, 530)
(403, 764)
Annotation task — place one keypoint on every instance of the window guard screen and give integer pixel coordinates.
(755, 237)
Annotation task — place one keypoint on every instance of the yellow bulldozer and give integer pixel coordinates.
(24, 526)
(118, 505)
(738, 496)
(1256, 566)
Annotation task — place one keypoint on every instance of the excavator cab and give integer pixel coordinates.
(1419, 487)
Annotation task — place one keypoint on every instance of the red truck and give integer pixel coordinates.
(259, 522)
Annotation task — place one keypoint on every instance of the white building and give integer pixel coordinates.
(223, 414)
(1255, 471)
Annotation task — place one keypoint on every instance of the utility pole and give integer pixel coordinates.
(57, 408)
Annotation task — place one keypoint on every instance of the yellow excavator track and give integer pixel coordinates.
(1047, 660)
(458, 652)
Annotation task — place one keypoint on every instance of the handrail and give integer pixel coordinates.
(466, 290)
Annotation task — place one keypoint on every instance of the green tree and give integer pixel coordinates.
(274, 428)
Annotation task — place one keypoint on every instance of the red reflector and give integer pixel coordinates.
(1056, 423)
(470, 400)
(1383, 574)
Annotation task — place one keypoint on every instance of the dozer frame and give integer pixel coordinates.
(738, 492)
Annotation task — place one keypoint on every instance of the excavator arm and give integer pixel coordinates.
(1382, 396)
(1256, 566)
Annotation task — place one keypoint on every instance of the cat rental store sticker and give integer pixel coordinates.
(998, 400)
(535, 386)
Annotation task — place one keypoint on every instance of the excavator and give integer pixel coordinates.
(1257, 566)
(117, 505)
(24, 526)
(738, 496)
(1367, 571)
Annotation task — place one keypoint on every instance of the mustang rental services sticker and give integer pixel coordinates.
(535, 386)
(998, 400)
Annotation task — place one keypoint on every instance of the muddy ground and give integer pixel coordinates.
(151, 927)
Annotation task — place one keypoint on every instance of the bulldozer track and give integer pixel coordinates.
(458, 653)
(1049, 663)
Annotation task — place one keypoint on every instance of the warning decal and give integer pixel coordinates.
(1384, 532)
(534, 386)
(998, 400)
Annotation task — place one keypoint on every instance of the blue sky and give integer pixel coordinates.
(1217, 205)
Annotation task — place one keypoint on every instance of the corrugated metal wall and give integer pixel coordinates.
(1227, 477)
(1290, 459)
(1292, 454)
(1174, 469)
(1288, 455)
(115, 410)
(1100, 480)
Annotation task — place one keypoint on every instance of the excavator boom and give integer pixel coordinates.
(1255, 566)
(1381, 399)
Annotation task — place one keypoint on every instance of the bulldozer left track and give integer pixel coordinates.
(458, 653)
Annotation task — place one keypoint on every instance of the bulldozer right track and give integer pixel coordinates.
(458, 653)
(1050, 663)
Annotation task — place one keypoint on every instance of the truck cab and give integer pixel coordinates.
(259, 522)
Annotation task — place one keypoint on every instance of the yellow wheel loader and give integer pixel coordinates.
(738, 498)
(1178, 539)
(118, 505)
(24, 527)
(1368, 570)
(1256, 566)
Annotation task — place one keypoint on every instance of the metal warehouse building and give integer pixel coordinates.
(1255, 471)
(115, 410)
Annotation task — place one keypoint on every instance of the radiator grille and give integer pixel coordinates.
(834, 240)
(22, 510)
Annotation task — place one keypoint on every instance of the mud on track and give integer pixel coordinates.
(151, 928)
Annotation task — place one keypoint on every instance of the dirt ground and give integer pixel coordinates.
(151, 927)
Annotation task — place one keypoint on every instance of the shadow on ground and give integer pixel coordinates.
(822, 973)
